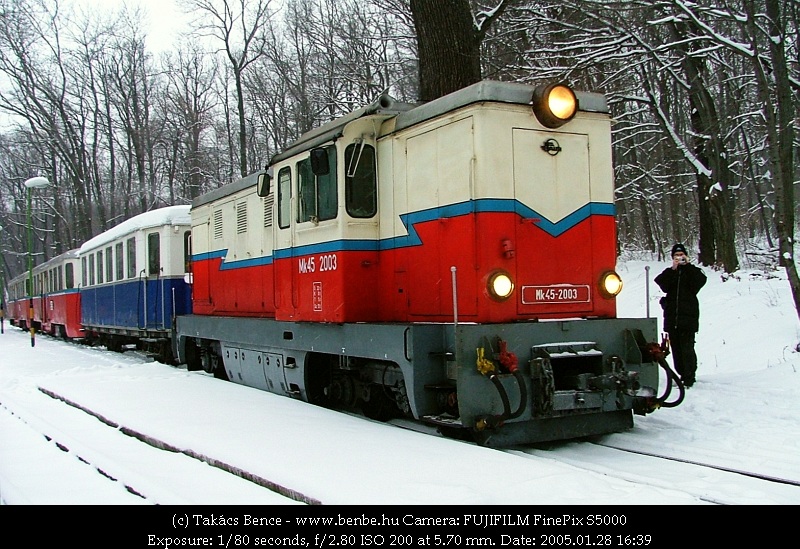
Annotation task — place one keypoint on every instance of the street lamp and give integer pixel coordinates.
(2, 293)
(37, 182)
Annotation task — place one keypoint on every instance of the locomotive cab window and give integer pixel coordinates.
(187, 251)
(153, 254)
(316, 187)
(284, 197)
(360, 182)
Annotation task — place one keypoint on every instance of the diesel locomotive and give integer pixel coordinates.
(451, 262)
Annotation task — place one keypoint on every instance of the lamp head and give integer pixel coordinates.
(37, 182)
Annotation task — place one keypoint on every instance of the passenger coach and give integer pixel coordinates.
(134, 280)
(56, 299)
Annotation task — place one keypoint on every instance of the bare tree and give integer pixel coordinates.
(190, 103)
(241, 27)
(49, 97)
(778, 97)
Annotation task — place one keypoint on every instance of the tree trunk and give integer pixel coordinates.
(448, 46)
(713, 188)
(781, 137)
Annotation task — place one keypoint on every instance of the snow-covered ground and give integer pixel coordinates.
(742, 413)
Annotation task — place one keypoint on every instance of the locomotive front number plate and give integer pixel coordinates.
(557, 293)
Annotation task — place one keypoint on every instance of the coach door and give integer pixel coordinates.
(153, 284)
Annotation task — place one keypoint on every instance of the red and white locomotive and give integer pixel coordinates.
(451, 262)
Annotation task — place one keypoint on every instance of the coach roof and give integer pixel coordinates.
(171, 215)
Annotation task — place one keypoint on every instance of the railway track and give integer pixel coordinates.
(710, 482)
(737, 471)
(573, 452)
(108, 420)
(116, 458)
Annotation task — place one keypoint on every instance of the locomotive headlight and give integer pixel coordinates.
(610, 284)
(554, 104)
(500, 285)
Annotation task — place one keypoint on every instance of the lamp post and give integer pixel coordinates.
(37, 182)
(2, 292)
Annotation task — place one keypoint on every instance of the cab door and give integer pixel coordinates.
(283, 260)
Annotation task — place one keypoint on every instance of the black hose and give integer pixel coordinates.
(523, 394)
(671, 376)
(503, 396)
(523, 398)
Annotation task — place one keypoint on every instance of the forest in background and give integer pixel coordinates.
(704, 95)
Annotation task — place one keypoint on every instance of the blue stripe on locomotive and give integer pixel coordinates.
(553, 228)
(122, 304)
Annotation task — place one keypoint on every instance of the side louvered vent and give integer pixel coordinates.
(241, 217)
(268, 202)
(217, 224)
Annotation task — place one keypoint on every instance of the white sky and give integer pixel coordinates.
(742, 413)
(165, 19)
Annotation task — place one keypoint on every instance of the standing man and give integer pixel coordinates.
(681, 282)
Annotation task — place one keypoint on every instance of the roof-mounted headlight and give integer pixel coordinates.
(554, 104)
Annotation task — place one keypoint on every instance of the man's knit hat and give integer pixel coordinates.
(678, 248)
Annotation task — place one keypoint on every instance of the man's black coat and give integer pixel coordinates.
(681, 308)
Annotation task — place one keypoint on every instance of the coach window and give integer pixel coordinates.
(109, 265)
(100, 266)
(61, 277)
(153, 254)
(84, 272)
(360, 183)
(131, 247)
(118, 256)
(69, 275)
(284, 197)
(317, 193)
(91, 269)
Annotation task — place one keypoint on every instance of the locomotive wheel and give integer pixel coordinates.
(457, 433)
(193, 362)
(379, 406)
(220, 373)
(319, 376)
